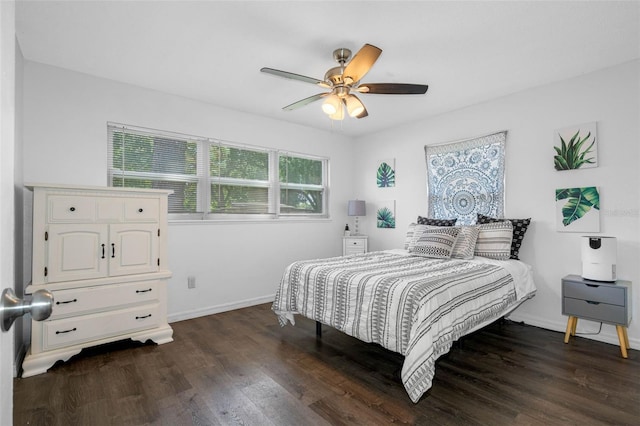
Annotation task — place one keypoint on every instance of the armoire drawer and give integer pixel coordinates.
(71, 209)
(141, 210)
(78, 301)
(76, 330)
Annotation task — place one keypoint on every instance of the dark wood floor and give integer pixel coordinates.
(241, 368)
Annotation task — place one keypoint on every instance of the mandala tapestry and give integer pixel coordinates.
(465, 178)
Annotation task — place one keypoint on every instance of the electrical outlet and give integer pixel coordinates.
(191, 281)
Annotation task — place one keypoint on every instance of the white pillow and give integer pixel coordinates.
(436, 242)
(410, 231)
(465, 245)
(494, 240)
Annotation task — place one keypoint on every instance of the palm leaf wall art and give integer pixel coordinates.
(578, 209)
(386, 174)
(386, 214)
(576, 148)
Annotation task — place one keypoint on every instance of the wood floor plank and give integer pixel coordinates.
(242, 368)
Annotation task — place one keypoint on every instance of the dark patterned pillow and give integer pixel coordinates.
(519, 228)
(436, 242)
(436, 222)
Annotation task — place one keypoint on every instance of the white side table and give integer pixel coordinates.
(354, 244)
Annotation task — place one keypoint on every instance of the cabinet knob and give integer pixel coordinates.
(73, 209)
(140, 210)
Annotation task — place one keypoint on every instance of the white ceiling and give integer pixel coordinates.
(468, 52)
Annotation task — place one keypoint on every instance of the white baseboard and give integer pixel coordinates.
(17, 362)
(216, 309)
(608, 334)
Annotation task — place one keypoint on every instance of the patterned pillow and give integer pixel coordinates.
(417, 232)
(410, 231)
(519, 228)
(436, 242)
(465, 245)
(436, 222)
(494, 240)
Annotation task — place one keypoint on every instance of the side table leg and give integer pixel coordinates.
(623, 339)
(571, 328)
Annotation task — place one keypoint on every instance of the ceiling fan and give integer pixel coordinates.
(343, 82)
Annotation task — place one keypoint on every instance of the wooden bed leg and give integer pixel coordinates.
(318, 329)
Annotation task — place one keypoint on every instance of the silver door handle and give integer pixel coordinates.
(12, 307)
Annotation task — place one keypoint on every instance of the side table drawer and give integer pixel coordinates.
(594, 311)
(595, 293)
(353, 243)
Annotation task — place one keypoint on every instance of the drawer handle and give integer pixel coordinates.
(143, 291)
(140, 210)
(592, 303)
(113, 250)
(67, 301)
(592, 285)
(103, 251)
(143, 317)
(73, 209)
(66, 331)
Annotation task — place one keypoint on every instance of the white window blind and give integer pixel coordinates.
(214, 179)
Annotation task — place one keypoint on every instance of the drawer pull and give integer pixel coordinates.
(66, 331)
(66, 301)
(592, 303)
(140, 210)
(143, 317)
(73, 209)
(144, 291)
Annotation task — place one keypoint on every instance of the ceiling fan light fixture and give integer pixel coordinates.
(354, 106)
(339, 114)
(331, 105)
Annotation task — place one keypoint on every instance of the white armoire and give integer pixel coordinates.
(102, 252)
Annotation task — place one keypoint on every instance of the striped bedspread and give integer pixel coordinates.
(411, 305)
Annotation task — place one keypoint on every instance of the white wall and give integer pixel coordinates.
(611, 98)
(241, 263)
(7, 237)
(235, 264)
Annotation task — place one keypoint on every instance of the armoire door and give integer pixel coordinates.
(76, 252)
(133, 249)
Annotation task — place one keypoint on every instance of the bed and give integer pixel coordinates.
(410, 304)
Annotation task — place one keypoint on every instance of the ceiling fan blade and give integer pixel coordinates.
(393, 88)
(293, 76)
(306, 101)
(361, 63)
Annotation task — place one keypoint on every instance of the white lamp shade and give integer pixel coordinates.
(357, 208)
(354, 106)
(331, 105)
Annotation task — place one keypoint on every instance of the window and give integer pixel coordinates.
(214, 179)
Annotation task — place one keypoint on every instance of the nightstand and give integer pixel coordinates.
(354, 244)
(597, 301)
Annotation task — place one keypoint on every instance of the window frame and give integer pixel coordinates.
(204, 180)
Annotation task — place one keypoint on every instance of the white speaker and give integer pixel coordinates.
(599, 255)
